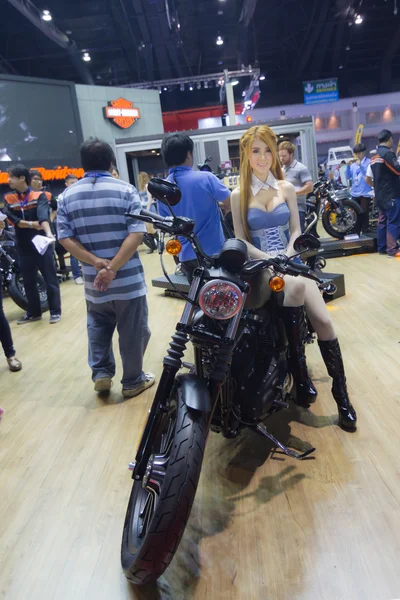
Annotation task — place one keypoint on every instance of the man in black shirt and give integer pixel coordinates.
(386, 180)
(28, 211)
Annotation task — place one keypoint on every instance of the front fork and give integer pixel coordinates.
(172, 364)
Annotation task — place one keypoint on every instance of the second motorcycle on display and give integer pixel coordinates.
(340, 214)
(239, 378)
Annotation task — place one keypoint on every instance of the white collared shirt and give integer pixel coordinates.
(257, 184)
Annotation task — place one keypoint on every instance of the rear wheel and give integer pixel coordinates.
(160, 504)
(16, 289)
(339, 225)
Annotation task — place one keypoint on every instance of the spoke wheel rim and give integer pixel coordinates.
(345, 221)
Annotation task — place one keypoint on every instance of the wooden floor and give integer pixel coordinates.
(261, 528)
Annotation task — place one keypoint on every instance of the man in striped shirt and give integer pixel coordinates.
(92, 226)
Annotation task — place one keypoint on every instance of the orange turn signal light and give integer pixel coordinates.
(277, 284)
(173, 247)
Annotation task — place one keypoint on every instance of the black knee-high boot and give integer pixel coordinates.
(294, 320)
(333, 360)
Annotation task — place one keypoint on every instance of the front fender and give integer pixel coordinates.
(194, 392)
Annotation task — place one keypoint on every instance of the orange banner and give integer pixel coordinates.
(59, 173)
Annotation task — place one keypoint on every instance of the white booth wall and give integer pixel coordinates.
(215, 143)
(92, 100)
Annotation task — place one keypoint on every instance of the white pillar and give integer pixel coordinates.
(230, 100)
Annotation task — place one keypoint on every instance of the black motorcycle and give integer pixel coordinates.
(11, 278)
(340, 214)
(239, 378)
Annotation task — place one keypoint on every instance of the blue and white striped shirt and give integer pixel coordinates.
(93, 211)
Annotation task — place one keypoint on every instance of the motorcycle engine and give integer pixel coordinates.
(255, 368)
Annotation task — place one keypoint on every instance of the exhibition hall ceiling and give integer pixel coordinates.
(130, 41)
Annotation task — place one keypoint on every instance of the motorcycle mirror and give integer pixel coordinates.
(306, 241)
(165, 191)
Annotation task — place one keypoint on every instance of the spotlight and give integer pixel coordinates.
(46, 16)
(340, 67)
(347, 48)
(165, 89)
(235, 82)
(86, 57)
(153, 151)
(220, 41)
(358, 20)
(262, 77)
(191, 88)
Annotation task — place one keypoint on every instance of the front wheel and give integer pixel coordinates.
(339, 225)
(160, 504)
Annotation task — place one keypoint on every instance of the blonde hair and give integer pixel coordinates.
(266, 135)
(143, 180)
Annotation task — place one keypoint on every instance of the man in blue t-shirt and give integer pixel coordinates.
(360, 190)
(201, 193)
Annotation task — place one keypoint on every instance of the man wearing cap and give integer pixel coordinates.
(386, 176)
(360, 190)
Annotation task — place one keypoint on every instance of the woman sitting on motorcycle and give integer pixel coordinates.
(266, 217)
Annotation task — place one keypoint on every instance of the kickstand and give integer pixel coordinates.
(264, 431)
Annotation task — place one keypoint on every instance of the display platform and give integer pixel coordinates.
(333, 248)
(182, 284)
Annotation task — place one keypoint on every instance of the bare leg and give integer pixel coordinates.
(317, 312)
(295, 290)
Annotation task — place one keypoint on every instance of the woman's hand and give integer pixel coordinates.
(36, 225)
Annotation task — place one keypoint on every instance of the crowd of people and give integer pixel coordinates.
(268, 215)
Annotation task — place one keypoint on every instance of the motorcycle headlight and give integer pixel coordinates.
(220, 299)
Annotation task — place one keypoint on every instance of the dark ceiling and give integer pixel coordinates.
(132, 41)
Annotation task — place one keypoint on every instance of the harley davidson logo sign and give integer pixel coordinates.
(122, 113)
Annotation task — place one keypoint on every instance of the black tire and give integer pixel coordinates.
(145, 556)
(16, 289)
(344, 224)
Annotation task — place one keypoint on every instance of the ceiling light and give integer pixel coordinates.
(262, 77)
(340, 66)
(220, 41)
(358, 20)
(220, 13)
(46, 16)
(235, 82)
(153, 151)
(191, 88)
(86, 57)
(165, 89)
(347, 48)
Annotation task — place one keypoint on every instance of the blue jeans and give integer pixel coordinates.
(130, 319)
(302, 215)
(389, 228)
(75, 268)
